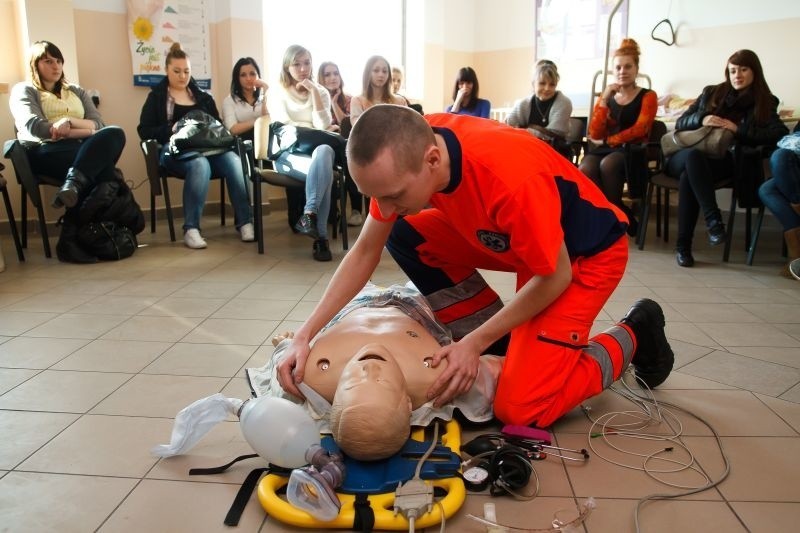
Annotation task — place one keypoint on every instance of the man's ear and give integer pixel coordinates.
(433, 156)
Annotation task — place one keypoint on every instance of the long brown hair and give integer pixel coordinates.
(367, 91)
(762, 96)
(38, 51)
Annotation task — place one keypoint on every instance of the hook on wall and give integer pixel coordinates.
(671, 32)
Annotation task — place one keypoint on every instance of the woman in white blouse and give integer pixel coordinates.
(248, 99)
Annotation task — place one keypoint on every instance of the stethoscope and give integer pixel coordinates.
(538, 449)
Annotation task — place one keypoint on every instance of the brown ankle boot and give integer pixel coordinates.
(792, 238)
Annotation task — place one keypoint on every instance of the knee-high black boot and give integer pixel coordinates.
(67, 249)
(77, 183)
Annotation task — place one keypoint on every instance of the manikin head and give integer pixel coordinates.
(371, 412)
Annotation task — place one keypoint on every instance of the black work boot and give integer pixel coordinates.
(653, 358)
(67, 249)
(75, 184)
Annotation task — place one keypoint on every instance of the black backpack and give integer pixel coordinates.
(108, 241)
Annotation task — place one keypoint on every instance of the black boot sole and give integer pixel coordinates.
(659, 355)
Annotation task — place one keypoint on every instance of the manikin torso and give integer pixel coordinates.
(411, 345)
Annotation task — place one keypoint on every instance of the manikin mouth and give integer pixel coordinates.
(369, 356)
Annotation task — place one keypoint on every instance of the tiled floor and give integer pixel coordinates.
(96, 360)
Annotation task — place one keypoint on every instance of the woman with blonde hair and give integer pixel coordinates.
(624, 113)
(301, 101)
(376, 88)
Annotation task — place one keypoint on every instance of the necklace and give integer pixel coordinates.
(544, 111)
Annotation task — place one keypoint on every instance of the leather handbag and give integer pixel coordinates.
(710, 140)
(300, 140)
(198, 133)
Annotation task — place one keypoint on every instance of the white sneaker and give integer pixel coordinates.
(355, 219)
(192, 239)
(248, 232)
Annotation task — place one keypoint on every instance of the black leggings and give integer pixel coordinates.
(608, 173)
(95, 156)
(697, 174)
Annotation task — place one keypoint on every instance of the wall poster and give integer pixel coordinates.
(153, 25)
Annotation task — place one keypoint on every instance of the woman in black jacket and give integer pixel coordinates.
(742, 104)
(166, 104)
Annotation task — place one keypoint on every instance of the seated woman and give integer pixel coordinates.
(624, 113)
(376, 88)
(331, 79)
(247, 100)
(167, 103)
(65, 137)
(397, 83)
(301, 101)
(781, 194)
(742, 104)
(383, 340)
(545, 114)
(465, 95)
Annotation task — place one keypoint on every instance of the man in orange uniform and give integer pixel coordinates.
(453, 194)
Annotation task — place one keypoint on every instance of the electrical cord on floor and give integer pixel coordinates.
(414, 498)
(651, 412)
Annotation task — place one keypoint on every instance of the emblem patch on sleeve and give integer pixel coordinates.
(496, 242)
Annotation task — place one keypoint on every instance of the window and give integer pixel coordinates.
(347, 33)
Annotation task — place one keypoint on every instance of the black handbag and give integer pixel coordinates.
(301, 140)
(107, 241)
(197, 132)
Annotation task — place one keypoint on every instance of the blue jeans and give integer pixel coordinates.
(196, 173)
(95, 156)
(784, 188)
(317, 173)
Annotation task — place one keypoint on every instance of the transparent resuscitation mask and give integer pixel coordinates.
(313, 488)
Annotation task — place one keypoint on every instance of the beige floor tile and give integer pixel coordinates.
(173, 274)
(113, 356)
(301, 311)
(760, 516)
(630, 481)
(157, 396)
(226, 274)
(113, 304)
(11, 377)
(667, 516)
(292, 274)
(792, 395)
(680, 381)
(690, 334)
(62, 391)
(190, 307)
(76, 326)
(26, 432)
(209, 289)
(30, 352)
(87, 286)
(690, 294)
(744, 372)
(17, 322)
(180, 507)
(231, 331)
(262, 309)
(751, 335)
(148, 288)
(686, 352)
(793, 330)
(97, 445)
(237, 387)
(782, 356)
(275, 291)
(40, 503)
(716, 312)
(788, 411)
(760, 295)
(730, 412)
(534, 514)
(152, 328)
(30, 284)
(9, 298)
(50, 303)
(222, 444)
(776, 313)
(764, 469)
(184, 359)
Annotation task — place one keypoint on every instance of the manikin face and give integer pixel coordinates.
(372, 375)
(405, 194)
(50, 70)
(300, 68)
(331, 78)
(397, 81)
(741, 77)
(179, 72)
(379, 74)
(545, 88)
(625, 70)
(248, 77)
